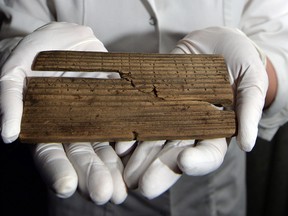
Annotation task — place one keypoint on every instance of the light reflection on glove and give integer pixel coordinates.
(95, 167)
(154, 174)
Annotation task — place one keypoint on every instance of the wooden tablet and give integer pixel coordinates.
(158, 97)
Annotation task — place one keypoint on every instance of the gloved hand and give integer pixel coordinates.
(248, 77)
(95, 167)
(154, 167)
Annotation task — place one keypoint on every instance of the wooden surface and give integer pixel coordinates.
(159, 97)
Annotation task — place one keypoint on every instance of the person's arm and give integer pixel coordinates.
(273, 84)
(266, 23)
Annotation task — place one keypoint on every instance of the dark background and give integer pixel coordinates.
(22, 190)
(267, 176)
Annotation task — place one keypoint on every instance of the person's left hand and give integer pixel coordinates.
(155, 166)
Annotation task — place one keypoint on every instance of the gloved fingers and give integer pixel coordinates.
(163, 172)
(107, 154)
(140, 159)
(124, 147)
(55, 168)
(95, 180)
(204, 158)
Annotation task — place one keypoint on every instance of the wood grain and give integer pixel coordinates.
(159, 97)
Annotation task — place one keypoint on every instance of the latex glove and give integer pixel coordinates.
(154, 167)
(97, 166)
(247, 73)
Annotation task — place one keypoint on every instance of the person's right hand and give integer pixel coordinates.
(94, 167)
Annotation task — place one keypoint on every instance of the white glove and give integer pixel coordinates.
(154, 167)
(97, 166)
(247, 73)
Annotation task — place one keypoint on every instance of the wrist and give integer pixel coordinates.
(273, 84)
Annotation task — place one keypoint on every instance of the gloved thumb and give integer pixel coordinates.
(204, 158)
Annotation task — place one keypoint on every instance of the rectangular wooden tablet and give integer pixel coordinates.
(158, 97)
